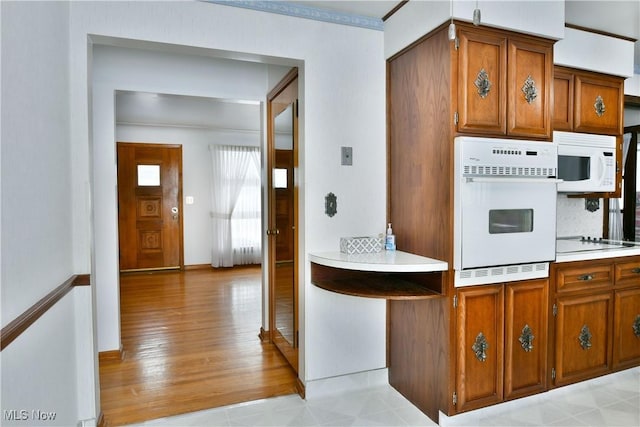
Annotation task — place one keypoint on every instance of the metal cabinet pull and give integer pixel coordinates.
(599, 106)
(529, 90)
(482, 83)
(586, 277)
(585, 338)
(636, 270)
(526, 338)
(636, 326)
(480, 347)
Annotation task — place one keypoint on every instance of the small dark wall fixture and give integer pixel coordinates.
(592, 205)
(330, 205)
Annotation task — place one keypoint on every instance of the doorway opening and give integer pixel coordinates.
(188, 199)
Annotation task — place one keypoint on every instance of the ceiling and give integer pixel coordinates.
(193, 112)
(216, 114)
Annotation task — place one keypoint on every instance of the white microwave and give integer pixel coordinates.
(586, 162)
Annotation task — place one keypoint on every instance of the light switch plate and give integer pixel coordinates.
(347, 156)
(189, 200)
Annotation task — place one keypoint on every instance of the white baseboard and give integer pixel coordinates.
(345, 383)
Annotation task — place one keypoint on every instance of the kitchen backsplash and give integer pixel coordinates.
(574, 220)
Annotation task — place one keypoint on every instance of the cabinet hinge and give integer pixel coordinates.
(457, 43)
(297, 108)
(455, 118)
(455, 301)
(555, 309)
(296, 343)
(455, 398)
(553, 373)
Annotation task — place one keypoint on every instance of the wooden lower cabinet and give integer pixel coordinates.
(597, 318)
(525, 364)
(626, 328)
(582, 337)
(480, 339)
(501, 342)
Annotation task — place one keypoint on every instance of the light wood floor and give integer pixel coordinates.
(190, 342)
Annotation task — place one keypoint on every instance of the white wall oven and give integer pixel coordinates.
(505, 209)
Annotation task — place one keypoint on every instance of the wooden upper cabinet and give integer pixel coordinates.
(482, 71)
(589, 102)
(504, 83)
(529, 88)
(598, 104)
(562, 100)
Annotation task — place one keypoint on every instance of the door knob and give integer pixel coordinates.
(174, 212)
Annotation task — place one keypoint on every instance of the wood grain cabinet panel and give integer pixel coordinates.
(598, 104)
(626, 328)
(504, 83)
(480, 336)
(628, 272)
(562, 100)
(526, 322)
(584, 276)
(584, 101)
(482, 71)
(583, 337)
(529, 88)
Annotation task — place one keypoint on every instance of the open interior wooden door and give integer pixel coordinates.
(282, 146)
(150, 206)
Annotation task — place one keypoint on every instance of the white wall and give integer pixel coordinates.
(595, 52)
(51, 366)
(574, 220)
(342, 87)
(539, 17)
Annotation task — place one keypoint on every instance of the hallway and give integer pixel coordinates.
(190, 342)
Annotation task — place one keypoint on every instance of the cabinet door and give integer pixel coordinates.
(562, 100)
(583, 337)
(598, 104)
(480, 336)
(482, 73)
(626, 328)
(529, 80)
(525, 364)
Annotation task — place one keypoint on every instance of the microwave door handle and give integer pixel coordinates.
(602, 168)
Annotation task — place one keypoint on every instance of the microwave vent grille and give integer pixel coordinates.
(485, 170)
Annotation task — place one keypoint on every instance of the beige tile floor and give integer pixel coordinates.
(613, 400)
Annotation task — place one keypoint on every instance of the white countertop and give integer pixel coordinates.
(598, 254)
(385, 261)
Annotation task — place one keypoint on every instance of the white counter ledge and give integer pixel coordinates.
(599, 254)
(385, 261)
(393, 275)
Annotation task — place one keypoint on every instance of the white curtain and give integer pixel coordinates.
(235, 209)
(615, 213)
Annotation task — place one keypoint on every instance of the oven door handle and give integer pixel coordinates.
(514, 180)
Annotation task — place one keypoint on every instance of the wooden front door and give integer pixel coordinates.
(149, 206)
